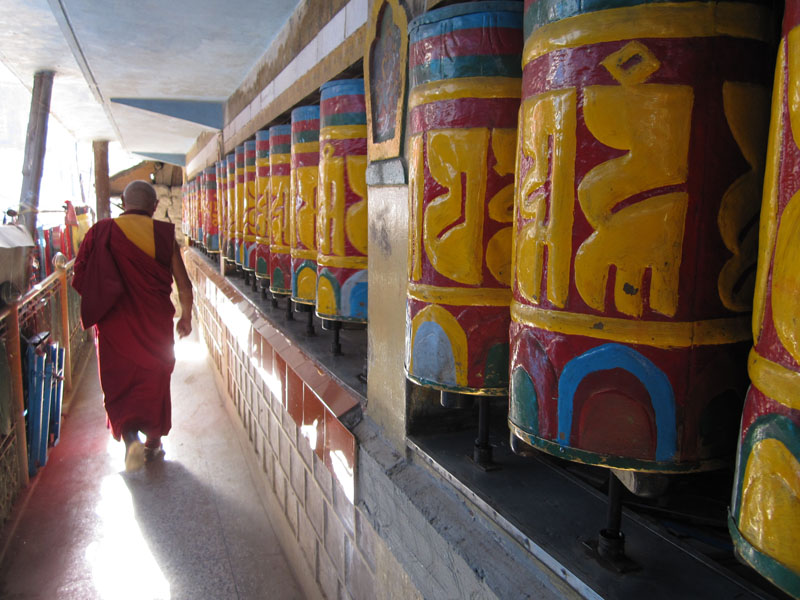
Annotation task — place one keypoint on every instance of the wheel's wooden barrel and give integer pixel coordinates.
(250, 215)
(342, 203)
(239, 206)
(280, 262)
(211, 229)
(765, 508)
(262, 204)
(222, 182)
(465, 83)
(230, 211)
(640, 160)
(303, 223)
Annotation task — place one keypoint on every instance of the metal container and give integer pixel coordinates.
(642, 134)
(211, 228)
(764, 520)
(342, 203)
(239, 206)
(250, 214)
(230, 211)
(280, 142)
(262, 204)
(465, 83)
(303, 223)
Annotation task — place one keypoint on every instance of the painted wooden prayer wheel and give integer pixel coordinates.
(197, 210)
(211, 229)
(239, 206)
(280, 262)
(250, 215)
(640, 160)
(222, 182)
(342, 203)
(303, 222)
(230, 211)
(765, 507)
(185, 226)
(262, 204)
(465, 83)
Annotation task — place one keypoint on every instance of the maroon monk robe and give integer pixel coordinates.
(134, 334)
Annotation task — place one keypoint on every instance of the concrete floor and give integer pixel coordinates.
(190, 527)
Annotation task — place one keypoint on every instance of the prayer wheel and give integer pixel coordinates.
(640, 159)
(185, 209)
(239, 206)
(211, 229)
(765, 506)
(249, 220)
(342, 203)
(280, 264)
(465, 84)
(196, 210)
(230, 210)
(303, 221)
(262, 204)
(202, 208)
(222, 182)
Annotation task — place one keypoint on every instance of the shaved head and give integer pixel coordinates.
(139, 195)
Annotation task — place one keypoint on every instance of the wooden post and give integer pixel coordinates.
(14, 352)
(102, 185)
(63, 293)
(35, 142)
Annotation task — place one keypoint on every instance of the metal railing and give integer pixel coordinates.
(51, 306)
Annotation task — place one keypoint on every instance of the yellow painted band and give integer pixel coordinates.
(278, 249)
(774, 380)
(672, 334)
(342, 132)
(303, 147)
(249, 237)
(279, 159)
(262, 240)
(668, 20)
(456, 296)
(304, 253)
(466, 87)
(342, 262)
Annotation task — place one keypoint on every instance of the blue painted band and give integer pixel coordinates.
(466, 66)
(250, 146)
(305, 113)
(210, 170)
(340, 119)
(484, 20)
(341, 87)
(463, 12)
(617, 356)
(231, 159)
(280, 130)
(262, 135)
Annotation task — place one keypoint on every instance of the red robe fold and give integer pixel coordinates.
(135, 340)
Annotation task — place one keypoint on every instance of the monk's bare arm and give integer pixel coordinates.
(184, 286)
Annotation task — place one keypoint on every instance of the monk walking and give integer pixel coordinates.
(124, 272)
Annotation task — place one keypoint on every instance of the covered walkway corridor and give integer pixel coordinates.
(193, 526)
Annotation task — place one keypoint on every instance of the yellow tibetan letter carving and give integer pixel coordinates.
(306, 182)
(416, 181)
(652, 122)
(548, 137)
(330, 218)
(453, 222)
(356, 220)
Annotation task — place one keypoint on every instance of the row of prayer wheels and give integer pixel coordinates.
(290, 206)
(585, 184)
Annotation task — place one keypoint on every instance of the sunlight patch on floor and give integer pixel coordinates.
(121, 563)
(190, 349)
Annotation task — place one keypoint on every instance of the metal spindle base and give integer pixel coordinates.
(609, 546)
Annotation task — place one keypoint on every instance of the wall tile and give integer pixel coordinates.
(294, 395)
(340, 454)
(313, 422)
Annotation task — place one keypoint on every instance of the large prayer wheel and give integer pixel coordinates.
(250, 214)
(230, 211)
(185, 226)
(765, 508)
(465, 83)
(239, 206)
(639, 168)
(303, 223)
(222, 182)
(342, 203)
(262, 204)
(211, 228)
(280, 263)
